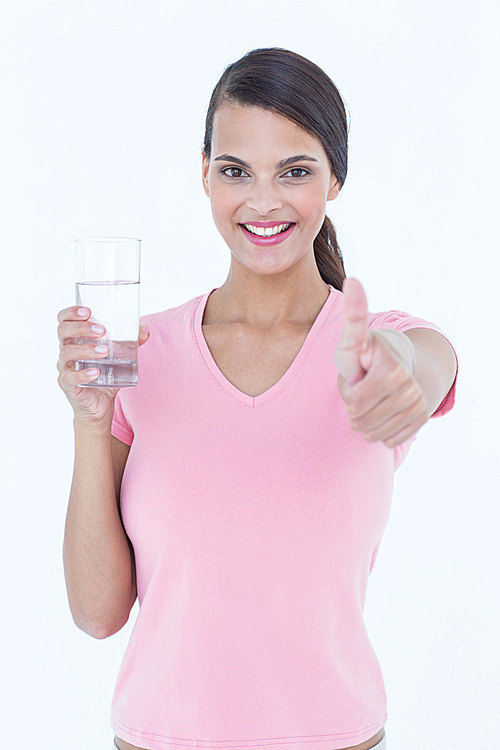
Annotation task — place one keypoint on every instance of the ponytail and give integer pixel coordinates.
(328, 256)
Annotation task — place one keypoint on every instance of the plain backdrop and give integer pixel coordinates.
(103, 107)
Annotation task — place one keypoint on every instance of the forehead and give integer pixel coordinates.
(253, 130)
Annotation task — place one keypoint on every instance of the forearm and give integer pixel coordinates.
(435, 364)
(96, 553)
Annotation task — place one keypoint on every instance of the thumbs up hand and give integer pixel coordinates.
(375, 381)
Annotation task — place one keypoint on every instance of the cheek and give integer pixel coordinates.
(313, 201)
(311, 207)
(224, 201)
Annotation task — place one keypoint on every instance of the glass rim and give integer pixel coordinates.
(108, 239)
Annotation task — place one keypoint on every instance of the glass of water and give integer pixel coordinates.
(107, 271)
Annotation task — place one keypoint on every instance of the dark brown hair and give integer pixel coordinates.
(290, 85)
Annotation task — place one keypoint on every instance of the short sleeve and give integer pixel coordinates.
(403, 321)
(120, 426)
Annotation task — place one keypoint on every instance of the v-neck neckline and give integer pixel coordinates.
(221, 379)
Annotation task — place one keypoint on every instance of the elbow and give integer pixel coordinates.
(107, 632)
(100, 635)
(97, 632)
(91, 630)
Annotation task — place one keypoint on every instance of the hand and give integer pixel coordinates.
(383, 399)
(92, 405)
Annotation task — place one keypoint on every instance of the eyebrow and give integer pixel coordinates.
(279, 165)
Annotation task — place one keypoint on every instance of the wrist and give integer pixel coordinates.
(96, 426)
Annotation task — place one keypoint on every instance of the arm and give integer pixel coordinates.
(434, 365)
(390, 385)
(98, 559)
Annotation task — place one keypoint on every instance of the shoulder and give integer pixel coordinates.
(171, 314)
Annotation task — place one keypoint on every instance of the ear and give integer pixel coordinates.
(334, 189)
(205, 165)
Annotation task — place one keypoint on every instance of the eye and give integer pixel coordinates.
(223, 171)
(298, 169)
(295, 169)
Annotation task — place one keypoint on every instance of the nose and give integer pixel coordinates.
(264, 198)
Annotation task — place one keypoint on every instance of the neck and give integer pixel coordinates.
(267, 301)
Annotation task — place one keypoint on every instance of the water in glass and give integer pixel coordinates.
(115, 305)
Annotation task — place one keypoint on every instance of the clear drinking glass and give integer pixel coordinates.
(107, 271)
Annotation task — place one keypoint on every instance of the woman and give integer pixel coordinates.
(241, 490)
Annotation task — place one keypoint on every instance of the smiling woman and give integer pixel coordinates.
(265, 202)
(316, 109)
(253, 510)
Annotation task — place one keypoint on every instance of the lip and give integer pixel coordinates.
(267, 224)
(256, 240)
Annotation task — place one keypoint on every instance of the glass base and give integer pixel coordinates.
(113, 373)
(95, 384)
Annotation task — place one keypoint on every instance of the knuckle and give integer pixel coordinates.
(398, 375)
(414, 395)
(413, 412)
(410, 389)
(66, 354)
(421, 407)
(69, 375)
(355, 406)
(65, 314)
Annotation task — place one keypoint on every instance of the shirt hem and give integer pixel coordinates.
(323, 742)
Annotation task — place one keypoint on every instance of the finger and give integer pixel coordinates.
(385, 406)
(71, 329)
(355, 332)
(76, 352)
(71, 313)
(379, 383)
(71, 380)
(402, 435)
(144, 331)
(352, 356)
(404, 423)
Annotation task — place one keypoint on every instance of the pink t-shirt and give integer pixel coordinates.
(255, 523)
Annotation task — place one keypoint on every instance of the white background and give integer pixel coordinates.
(103, 111)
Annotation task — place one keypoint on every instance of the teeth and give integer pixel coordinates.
(269, 232)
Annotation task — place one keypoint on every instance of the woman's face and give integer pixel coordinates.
(264, 191)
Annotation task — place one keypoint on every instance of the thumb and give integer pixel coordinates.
(353, 342)
(143, 332)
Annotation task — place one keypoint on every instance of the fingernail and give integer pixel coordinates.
(83, 310)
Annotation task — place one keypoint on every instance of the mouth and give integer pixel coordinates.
(274, 239)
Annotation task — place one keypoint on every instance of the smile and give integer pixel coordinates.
(271, 236)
